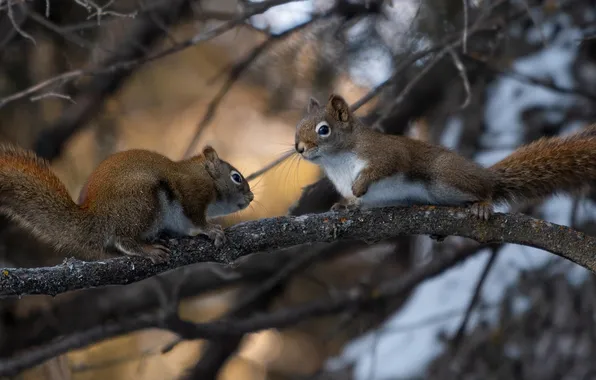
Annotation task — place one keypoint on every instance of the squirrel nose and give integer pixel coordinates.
(300, 147)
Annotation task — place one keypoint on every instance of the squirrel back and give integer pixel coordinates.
(547, 166)
(129, 200)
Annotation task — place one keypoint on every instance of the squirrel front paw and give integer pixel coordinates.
(213, 231)
(481, 210)
(338, 206)
(347, 204)
(157, 253)
(359, 187)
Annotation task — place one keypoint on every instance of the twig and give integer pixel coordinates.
(534, 81)
(464, 77)
(254, 296)
(256, 299)
(235, 73)
(75, 39)
(406, 90)
(51, 95)
(269, 166)
(126, 65)
(478, 25)
(15, 24)
(354, 107)
(464, 37)
(475, 296)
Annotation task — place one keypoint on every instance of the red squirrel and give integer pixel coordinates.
(373, 169)
(128, 201)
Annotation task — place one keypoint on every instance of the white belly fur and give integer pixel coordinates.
(396, 190)
(171, 217)
(342, 169)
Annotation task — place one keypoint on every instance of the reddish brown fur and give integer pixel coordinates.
(33, 196)
(118, 204)
(393, 154)
(547, 166)
(542, 168)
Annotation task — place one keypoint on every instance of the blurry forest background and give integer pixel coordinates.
(82, 79)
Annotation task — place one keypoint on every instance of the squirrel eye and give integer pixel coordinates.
(323, 129)
(236, 177)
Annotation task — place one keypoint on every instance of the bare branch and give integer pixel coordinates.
(236, 71)
(464, 77)
(255, 299)
(280, 232)
(126, 65)
(269, 166)
(100, 304)
(117, 67)
(465, 32)
(476, 295)
(348, 300)
(51, 95)
(15, 24)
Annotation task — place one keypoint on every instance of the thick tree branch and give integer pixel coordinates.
(275, 233)
(354, 298)
(90, 307)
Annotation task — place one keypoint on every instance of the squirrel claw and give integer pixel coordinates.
(212, 231)
(157, 253)
(346, 205)
(481, 210)
(217, 235)
(338, 206)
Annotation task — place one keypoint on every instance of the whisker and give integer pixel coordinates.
(269, 166)
(261, 205)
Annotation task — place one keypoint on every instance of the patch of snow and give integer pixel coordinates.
(508, 97)
(452, 132)
(283, 17)
(372, 70)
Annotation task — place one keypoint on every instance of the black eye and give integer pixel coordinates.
(323, 129)
(236, 177)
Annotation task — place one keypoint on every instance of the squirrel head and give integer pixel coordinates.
(232, 190)
(325, 130)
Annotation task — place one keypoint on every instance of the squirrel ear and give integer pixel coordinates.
(338, 108)
(211, 161)
(210, 153)
(313, 105)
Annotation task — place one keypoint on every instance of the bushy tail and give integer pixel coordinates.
(547, 166)
(33, 196)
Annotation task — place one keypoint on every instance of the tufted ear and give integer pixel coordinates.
(210, 153)
(338, 108)
(313, 105)
(211, 160)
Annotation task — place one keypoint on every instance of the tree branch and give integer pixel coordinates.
(111, 73)
(87, 308)
(356, 297)
(280, 232)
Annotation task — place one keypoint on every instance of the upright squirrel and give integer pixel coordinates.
(129, 199)
(373, 169)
